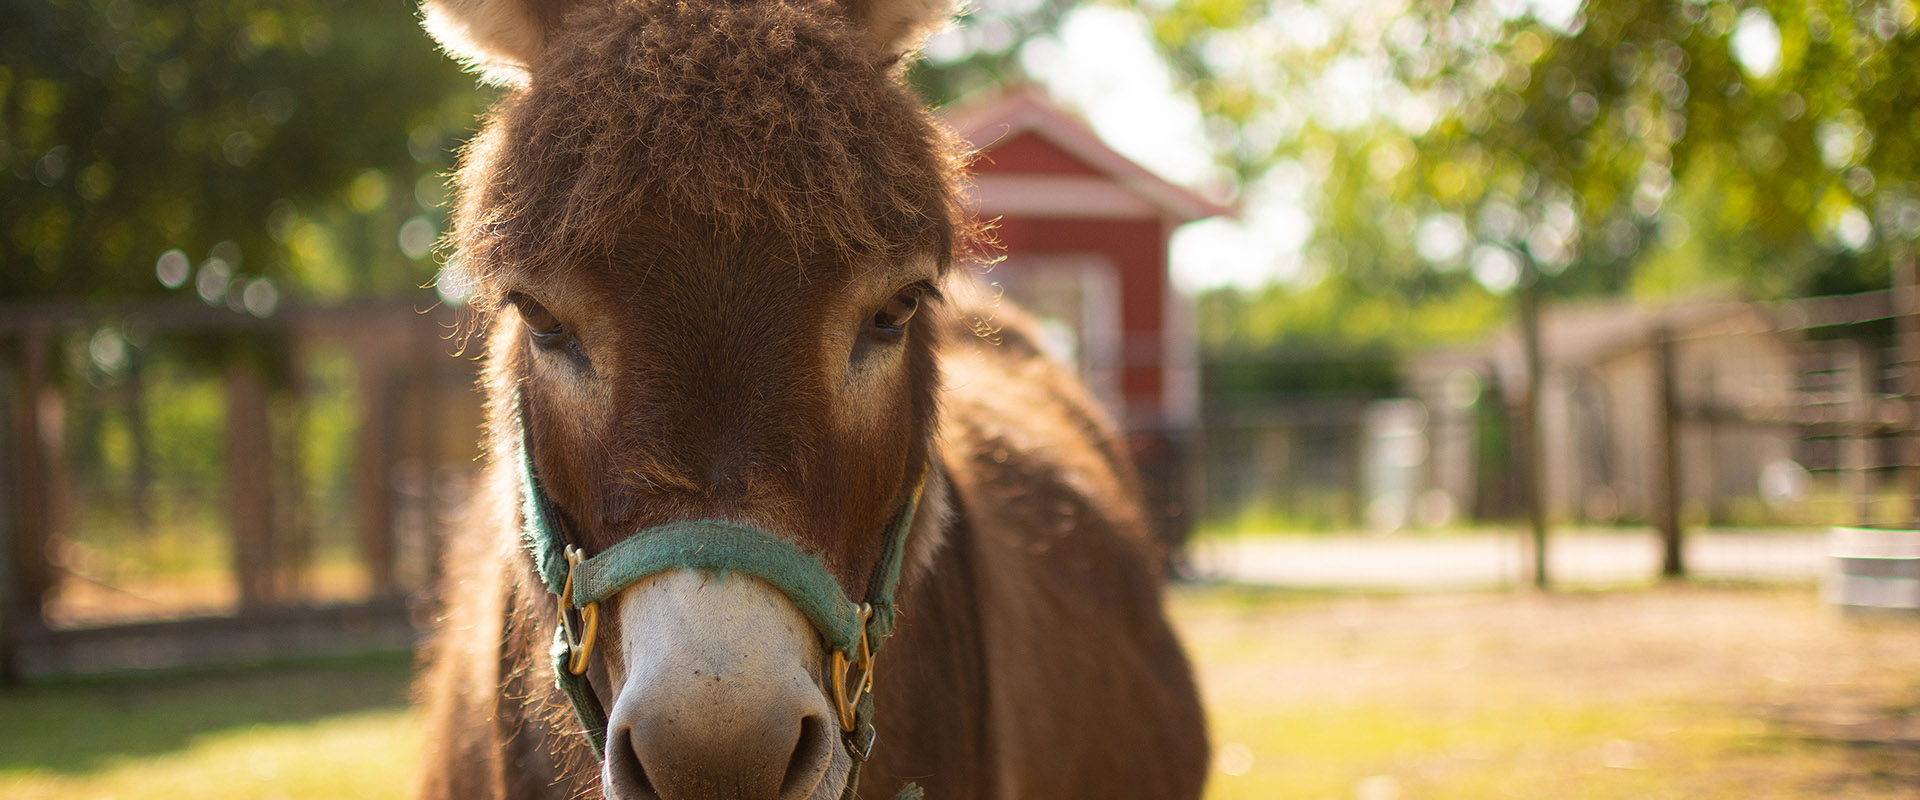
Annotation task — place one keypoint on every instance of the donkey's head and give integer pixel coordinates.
(713, 229)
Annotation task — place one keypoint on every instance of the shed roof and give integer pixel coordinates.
(1006, 114)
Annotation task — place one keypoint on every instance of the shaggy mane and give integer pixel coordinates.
(749, 119)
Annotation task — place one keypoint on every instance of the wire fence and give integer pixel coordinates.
(1716, 438)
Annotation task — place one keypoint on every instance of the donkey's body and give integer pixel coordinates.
(696, 211)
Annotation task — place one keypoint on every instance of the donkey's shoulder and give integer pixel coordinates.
(1028, 441)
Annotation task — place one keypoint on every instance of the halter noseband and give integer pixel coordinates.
(853, 632)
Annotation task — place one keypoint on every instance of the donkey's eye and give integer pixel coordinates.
(545, 329)
(892, 317)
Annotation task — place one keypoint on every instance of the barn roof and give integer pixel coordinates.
(1006, 115)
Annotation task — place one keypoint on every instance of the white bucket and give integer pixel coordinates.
(1873, 568)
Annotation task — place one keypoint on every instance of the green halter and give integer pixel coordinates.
(854, 632)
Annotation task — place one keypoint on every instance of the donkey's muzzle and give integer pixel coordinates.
(720, 694)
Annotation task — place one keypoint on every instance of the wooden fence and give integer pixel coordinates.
(339, 441)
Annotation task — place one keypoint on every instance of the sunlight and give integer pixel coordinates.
(1756, 43)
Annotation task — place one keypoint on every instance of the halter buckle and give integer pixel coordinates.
(846, 703)
(578, 626)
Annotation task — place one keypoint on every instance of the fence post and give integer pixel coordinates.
(427, 385)
(1532, 456)
(134, 398)
(1855, 374)
(26, 580)
(1666, 471)
(293, 548)
(11, 513)
(1906, 308)
(250, 489)
(373, 452)
(1354, 481)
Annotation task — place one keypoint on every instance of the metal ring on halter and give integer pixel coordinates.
(579, 635)
(846, 705)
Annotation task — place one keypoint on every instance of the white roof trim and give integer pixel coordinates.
(1057, 197)
(988, 122)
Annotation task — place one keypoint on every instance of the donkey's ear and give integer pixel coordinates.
(898, 27)
(500, 39)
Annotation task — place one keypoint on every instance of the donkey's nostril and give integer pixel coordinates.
(811, 756)
(729, 752)
(625, 778)
(718, 700)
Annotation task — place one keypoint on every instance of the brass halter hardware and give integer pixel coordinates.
(847, 704)
(580, 635)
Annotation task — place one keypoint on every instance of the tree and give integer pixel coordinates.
(1596, 142)
(292, 145)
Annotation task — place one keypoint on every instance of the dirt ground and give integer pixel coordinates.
(1687, 692)
(1669, 692)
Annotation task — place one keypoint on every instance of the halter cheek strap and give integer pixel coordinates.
(853, 632)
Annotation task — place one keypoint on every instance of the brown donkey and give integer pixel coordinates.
(742, 412)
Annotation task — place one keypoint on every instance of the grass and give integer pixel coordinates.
(1694, 692)
(325, 729)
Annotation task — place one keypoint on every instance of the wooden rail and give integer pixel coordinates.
(266, 634)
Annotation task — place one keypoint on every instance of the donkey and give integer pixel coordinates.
(777, 504)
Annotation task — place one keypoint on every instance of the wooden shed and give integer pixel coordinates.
(1085, 233)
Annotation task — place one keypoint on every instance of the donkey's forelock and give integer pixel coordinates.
(760, 119)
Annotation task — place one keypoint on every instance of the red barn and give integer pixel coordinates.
(1085, 232)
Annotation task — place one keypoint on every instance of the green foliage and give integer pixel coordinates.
(287, 141)
(983, 47)
(1332, 336)
(1621, 145)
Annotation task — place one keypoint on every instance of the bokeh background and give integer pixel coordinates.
(1527, 387)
